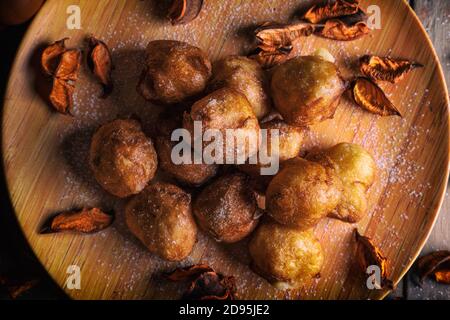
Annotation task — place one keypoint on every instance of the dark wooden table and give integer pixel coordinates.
(18, 262)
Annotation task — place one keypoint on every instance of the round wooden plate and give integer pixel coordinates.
(45, 152)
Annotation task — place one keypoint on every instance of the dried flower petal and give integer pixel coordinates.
(275, 36)
(345, 28)
(332, 9)
(436, 263)
(206, 284)
(269, 59)
(442, 276)
(69, 65)
(181, 274)
(61, 96)
(368, 95)
(211, 286)
(16, 287)
(184, 11)
(367, 254)
(85, 221)
(100, 62)
(386, 68)
(51, 55)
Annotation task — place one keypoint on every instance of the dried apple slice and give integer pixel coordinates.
(368, 95)
(269, 59)
(61, 96)
(184, 11)
(386, 68)
(51, 55)
(331, 9)
(84, 221)
(367, 254)
(186, 273)
(345, 28)
(437, 264)
(274, 36)
(206, 284)
(69, 65)
(100, 62)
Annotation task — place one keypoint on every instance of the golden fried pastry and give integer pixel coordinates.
(306, 90)
(226, 209)
(174, 71)
(122, 158)
(190, 174)
(302, 193)
(246, 76)
(287, 257)
(225, 109)
(356, 169)
(290, 140)
(161, 218)
(167, 121)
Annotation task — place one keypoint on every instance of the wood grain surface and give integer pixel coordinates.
(435, 17)
(45, 153)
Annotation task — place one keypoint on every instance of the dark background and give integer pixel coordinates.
(19, 265)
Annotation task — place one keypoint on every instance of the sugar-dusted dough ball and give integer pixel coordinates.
(188, 173)
(306, 90)
(226, 209)
(302, 193)
(122, 158)
(174, 71)
(246, 76)
(221, 110)
(287, 257)
(161, 217)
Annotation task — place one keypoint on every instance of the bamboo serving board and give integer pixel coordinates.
(45, 153)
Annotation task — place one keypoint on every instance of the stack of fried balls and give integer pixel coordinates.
(230, 203)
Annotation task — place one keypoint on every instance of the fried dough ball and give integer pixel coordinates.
(161, 218)
(289, 145)
(226, 209)
(190, 174)
(356, 169)
(246, 76)
(287, 257)
(122, 158)
(306, 90)
(167, 121)
(302, 193)
(174, 71)
(225, 109)
(290, 140)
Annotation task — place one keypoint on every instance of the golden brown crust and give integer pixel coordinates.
(225, 109)
(302, 193)
(290, 143)
(246, 76)
(356, 169)
(285, 256)
(174, 71)
(306, 90)
(161, 218)
(191, 174)
(122, 158)
(226, 209)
